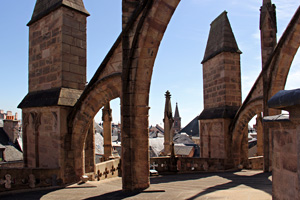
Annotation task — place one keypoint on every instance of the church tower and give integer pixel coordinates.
(177, 120)
(221, 88)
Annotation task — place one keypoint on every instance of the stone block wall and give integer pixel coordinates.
(285, 134)
(57, 51)
(43, 136)
(285, 160)
(215, 138)
(221, 81)
(11, 128)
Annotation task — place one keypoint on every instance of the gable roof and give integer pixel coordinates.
(183, 150)
(221, 38)
(12, 154)
(182, 139)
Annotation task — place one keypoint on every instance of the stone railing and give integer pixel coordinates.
(107, 169)
(256, 163)
(26, 178)
(166, 165)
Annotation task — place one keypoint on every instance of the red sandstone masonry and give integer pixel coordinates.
(59, 38)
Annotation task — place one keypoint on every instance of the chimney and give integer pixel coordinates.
(11, 128)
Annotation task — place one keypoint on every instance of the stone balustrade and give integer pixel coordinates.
(165, 165)
(28, 178)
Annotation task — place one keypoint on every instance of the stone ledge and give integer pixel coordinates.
(42, 10)
(281, 117)
(284, 99)
(221, 112)
(51, 97)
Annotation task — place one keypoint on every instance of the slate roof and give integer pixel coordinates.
(221, 38)
(12, 154)
(182, 139)
(156, 145)
(99, 144)
(44, 7)
(98, 128)
(192, 128)
(183, 150)
(12, 151)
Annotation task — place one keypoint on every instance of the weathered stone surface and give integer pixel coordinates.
(51, 97)
(42, 8)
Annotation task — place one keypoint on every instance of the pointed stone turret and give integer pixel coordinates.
(57, 77)
(221, 38)
(221, 88)
(168, 124)
(268, 29)
(177, 120)
(43, 8)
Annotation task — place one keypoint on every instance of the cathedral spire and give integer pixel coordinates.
(177, 120)
(176, 111)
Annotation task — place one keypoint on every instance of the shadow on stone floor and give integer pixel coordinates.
(258, 181)
(118, 195)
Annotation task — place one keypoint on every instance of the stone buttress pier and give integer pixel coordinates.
(168, 125)
(107, 118)
(57, 77)
(222, 89)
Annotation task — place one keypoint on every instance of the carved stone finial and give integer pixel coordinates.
(168, 94)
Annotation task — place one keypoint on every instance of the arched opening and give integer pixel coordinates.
(293, 81)
(112, 140)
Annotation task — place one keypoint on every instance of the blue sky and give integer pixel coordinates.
(178, 65)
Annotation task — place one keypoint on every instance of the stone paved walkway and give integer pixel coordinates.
(242, 185)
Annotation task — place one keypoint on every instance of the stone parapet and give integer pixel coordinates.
(189, 165)
(28, 178)
(284, 130)
(108, 169)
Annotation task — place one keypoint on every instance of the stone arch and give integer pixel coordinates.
(275, 73)
(139, 53)
(278, 66)
(241, 127)
(95, 97)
